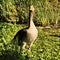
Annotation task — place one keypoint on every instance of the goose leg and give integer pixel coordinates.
(31, 45)
(24, 44)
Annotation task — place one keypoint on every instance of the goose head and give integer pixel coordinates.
(31, 9)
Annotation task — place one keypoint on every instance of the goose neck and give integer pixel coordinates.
(31, 19)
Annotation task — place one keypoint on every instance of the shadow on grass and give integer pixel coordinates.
(12, 55)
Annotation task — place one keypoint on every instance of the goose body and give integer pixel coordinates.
(28, 35)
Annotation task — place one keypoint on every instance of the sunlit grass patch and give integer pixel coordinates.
(45, 47)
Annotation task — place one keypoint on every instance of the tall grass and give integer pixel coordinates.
(46, 11)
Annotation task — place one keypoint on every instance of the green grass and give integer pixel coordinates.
(46, 46)
(46, 11)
